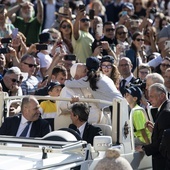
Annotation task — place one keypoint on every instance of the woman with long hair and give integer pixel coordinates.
(66, 29)
(100, 85)
(136, 51)
(110, 69)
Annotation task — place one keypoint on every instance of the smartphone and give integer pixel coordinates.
(41, 47)
(70, 57)
(4, 50)
(91, 14)
(6, 40)
(14, 33)
(153, 10)
(82, 7)
(99, 29)
(124, 13)
(66, 5)
(167, 44)
(99, 43)
(45, 78)
(2, 8)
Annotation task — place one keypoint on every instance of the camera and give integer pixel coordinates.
(6, 40)
(4, 50)
(138, 83)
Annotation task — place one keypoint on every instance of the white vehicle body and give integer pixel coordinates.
(20, 153)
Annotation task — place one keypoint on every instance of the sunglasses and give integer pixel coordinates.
(84, 20)
(106, 66)
(138, 3)
(31, 65)
(65, 26)
(15, 81)
(165, 65)
(109, 29)
(139, 39)
(120, 33)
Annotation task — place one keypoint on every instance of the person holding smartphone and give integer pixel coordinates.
(82, 39)
(30, 83)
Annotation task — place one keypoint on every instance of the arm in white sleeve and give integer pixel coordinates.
(81, 83)
(155, 62)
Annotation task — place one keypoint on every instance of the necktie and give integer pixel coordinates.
(78, 131)
(122, 87)
(25, 131)
(123, 82)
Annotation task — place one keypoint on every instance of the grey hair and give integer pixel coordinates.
(159, 88)
(13, 70)
(26, 101)
(155, 77)
(25, 56)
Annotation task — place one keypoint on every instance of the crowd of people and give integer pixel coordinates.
(101, 49)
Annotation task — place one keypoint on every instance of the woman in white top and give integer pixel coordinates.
(101, 86)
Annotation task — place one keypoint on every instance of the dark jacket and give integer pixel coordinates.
(162, 122)
(89, 133)
(10, 127)
(165, 147)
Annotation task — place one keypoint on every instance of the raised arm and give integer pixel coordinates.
(76, 26)
(40, 9)
(12, 12)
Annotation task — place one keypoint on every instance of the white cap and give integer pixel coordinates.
(73, 69)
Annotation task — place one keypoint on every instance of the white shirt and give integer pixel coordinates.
(22, 126)
(81, 129)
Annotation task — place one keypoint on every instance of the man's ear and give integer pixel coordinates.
(53, 77)
(135, 99)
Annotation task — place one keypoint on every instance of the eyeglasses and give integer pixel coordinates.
(106, 66)
(165, 65)
(109, 29)
(124, 65)
(31, 65)
(138, 3)
(66, 26)
(15, 80)
(120, 33)
(139, 39)
(84, 20)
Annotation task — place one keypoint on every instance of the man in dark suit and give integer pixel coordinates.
(158, 98)
(79, 116)
(125, 68)
(27, 124)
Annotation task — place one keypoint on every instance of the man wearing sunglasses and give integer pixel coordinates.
(82, 39)
(30, 84)
(108, 39)
(11, 82)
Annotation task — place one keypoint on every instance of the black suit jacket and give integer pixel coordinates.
(10, 127)
(165, 147)
(162, 122)
(89, 133)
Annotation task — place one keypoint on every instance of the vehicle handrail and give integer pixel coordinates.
(37, 141)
